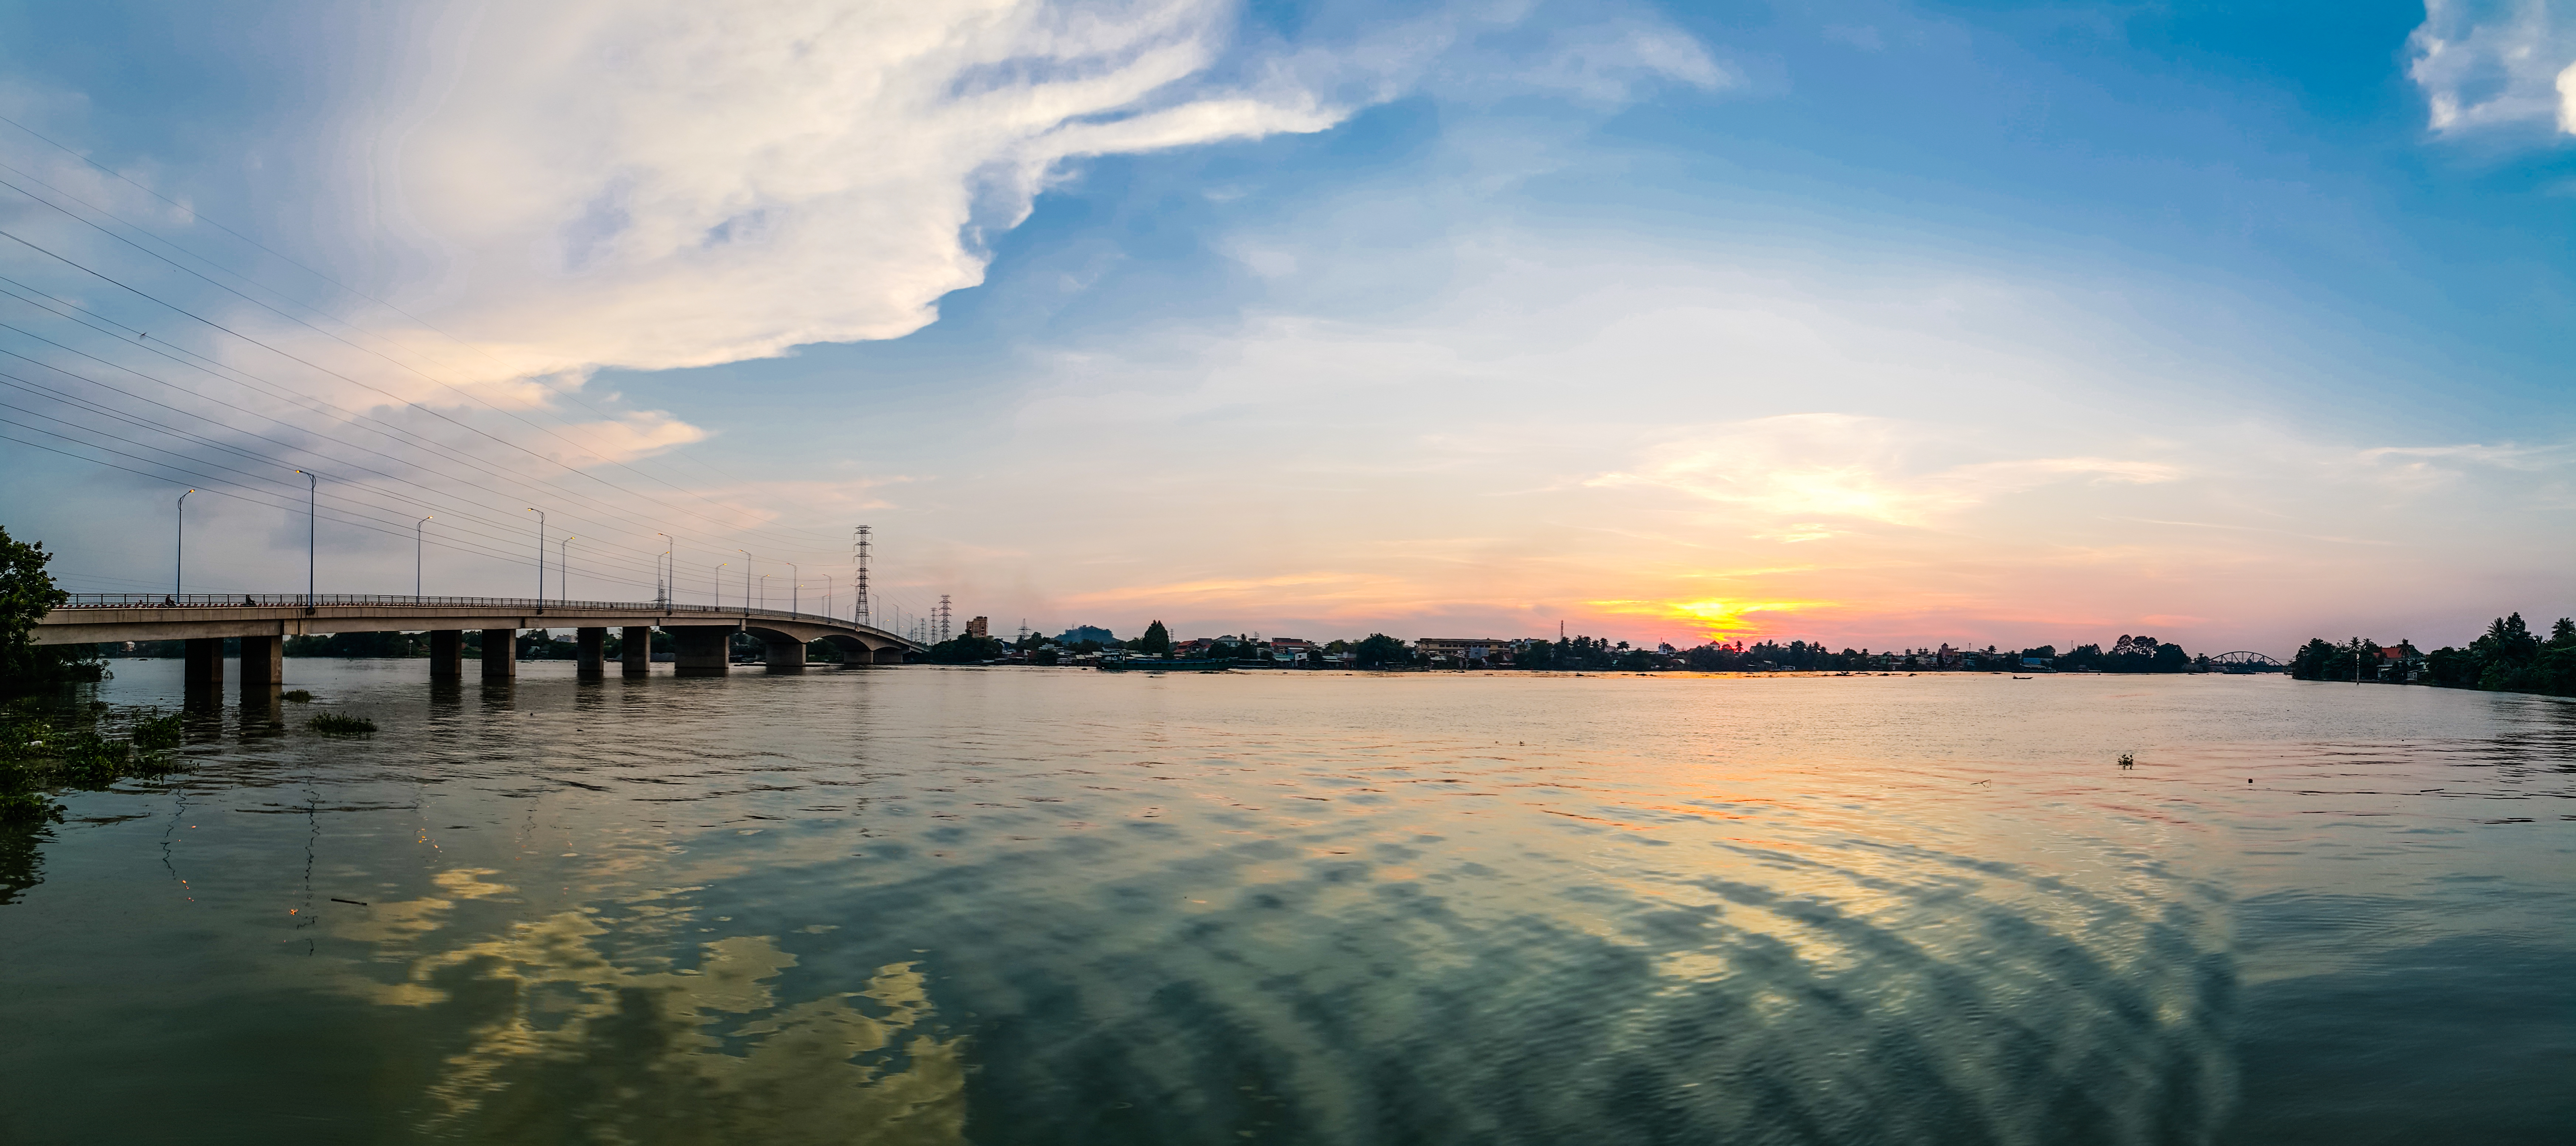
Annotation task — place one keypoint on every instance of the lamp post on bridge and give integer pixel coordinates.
(312, 516)
(661, 595)
(794, 582)
(416, 528)
(764, 593)
(563, 571)
(827, 594)
(541, 557)
(179, 569)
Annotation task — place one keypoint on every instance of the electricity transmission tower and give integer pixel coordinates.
(943, 618)
(861, 545)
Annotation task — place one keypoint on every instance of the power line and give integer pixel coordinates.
(390, 396)
(396, 434)
(194, 214)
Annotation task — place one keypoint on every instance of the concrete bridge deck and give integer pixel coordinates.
(700, 634)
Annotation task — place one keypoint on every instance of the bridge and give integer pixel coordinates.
(2242, 661)
(700, 634)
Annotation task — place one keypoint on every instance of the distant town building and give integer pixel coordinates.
(1464, 650)
(976, 628)
(1081, 633)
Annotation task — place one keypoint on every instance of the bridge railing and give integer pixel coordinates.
(529, 605)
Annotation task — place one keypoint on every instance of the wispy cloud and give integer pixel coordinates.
(1808, 469)
(1714, 618)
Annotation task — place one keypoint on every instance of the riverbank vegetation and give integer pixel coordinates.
(2508, 657)
(42, 754)
(27, 593)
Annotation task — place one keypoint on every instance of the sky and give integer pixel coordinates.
(1880, 324)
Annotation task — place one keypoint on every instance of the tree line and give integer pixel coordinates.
(2508, 657)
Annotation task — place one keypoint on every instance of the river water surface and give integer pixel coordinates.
(920, 905)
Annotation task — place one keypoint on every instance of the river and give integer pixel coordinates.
(921, 905)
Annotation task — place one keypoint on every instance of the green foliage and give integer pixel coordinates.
(1157, 640)
(39, 756)
(2321, 659)
(334, 724)
(27, 593)
(967, 650)
(1379, 650)
(21, 807)
(297, 695)
(155, 732)
(2507, 657)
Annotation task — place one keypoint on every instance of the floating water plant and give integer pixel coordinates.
(334, 724)
(299, 696)
(2128, 761)
(27, 808)
(39, 758)
(153, 733)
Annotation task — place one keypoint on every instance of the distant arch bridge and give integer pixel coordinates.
(700, 634)
(2242, 661)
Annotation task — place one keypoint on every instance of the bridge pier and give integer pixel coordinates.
(263, 664)
(205, 665)
(637, 648)
(699, 650)
(785, 656)
(889, 655)
(500, 654)
(593, 662)
(447, 655)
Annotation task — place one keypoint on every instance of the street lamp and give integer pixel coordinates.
(793, 584)
(563, 571)
(179, 570)
(541, 557)
(312, 514)
(416, 528)
(764, 593)
(661, 595)
(827, 594)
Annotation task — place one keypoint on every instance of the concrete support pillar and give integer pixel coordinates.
(263, 663)
(890, 655)
(500, 654)
(205, 663)
(698, 650)
(785, 656)
(447, 655)
(593, 645)
(639, 650)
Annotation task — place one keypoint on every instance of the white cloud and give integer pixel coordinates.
(2567, 100)
(678, 184)
(1804, 466)
(2485, 64)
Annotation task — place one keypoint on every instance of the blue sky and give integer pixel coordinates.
(1876, 322)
